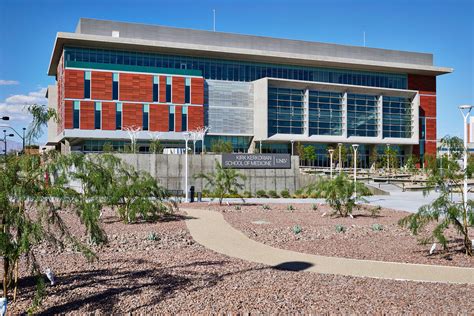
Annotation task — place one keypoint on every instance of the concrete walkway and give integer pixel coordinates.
(211, 230)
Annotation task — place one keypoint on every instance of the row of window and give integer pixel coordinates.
(119, 116)
(155, 92)
(221, 69)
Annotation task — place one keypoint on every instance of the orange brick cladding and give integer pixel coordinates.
(101, 85)
(162, 88)
(136, 87)
(159, 117)
(73, 84)
(195, 117)
(108, 115)
(178, 90)
(68, 114)
(197, 91)
(87, 115)
(426, 85)
(178, 110)
(132, 115)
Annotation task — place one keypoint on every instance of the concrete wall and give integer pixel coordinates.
(169, 171)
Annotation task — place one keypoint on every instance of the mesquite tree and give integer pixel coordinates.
(444, 211)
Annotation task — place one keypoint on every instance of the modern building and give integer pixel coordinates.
(260, 93)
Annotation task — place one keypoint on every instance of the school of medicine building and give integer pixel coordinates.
(256, 92)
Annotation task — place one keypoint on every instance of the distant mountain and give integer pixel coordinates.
(11, 146)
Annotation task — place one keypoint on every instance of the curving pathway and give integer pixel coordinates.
(210, 229)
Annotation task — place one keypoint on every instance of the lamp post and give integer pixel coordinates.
(465, 111)
(355, 147)
(22, 137)
(340, 162)
(5, 118)
(292, 142)
(186, 136)
(331, 152)
(5, 135)
(260, 151)
(388, 162)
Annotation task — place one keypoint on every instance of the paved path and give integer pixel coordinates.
(211, 230)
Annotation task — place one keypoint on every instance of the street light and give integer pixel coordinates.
(5, 135)
(340, 162)
(5, 118)
(22, 137)
(331, 152)
(388, 163)
(292, 141)
(465, 111)
(186, 136)
(355, 147)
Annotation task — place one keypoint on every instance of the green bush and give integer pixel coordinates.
(285, 193)
(290, 208)
(237, 208)
(314, 207)
(273, 194)
(153, 236)
(340, 229)
(261, 194)
(297, 229)
(377, 227)
(247, 194)
(266, 207)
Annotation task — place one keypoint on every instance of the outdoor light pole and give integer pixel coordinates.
(22, 137)
(340, 162)
(292, 141)
(388, 163)
(186, 136)
(465, 111)
(5, 135)
(331, 152)
(355, 147)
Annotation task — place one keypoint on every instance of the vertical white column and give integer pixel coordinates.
(380, 117)
(344, 115)
(306, 112)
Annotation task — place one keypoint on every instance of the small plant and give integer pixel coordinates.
(285, 194)
(266, 207)
(314, 207)
(297, 229)
(375, 211)
(261, 194)
(290, 208)
(153, 236)
(273, 194)
(237, 208)
(377, 227)
(298, 193)
(340, 229)
(247, 194)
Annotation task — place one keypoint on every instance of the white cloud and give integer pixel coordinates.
(8, 82)
(16, 106)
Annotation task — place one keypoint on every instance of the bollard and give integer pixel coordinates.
(191, 194)
(199, 196)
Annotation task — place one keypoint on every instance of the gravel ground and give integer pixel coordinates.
(318, 234)
(173, 274)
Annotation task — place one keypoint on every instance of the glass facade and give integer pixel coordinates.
(325, 113)
(168, 89)
(155, 88)
(87, 85)
(221, 69)
(97, 115)
(285, 111)
(397, 117)
(115, 86)
(184, 119)
(171, 119)
(118, 116)
(75, 115)
(146, 110)
(362, 115)
(187, 91)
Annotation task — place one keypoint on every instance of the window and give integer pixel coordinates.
(325, 113)
(362, 115)
(285, 111)
(155, 88)
(187, 91)
(115, 86)
(184, 119)
(118, 116)
(397, 117)
(87, 85)
(168, 89)
(171, 119)
(97, 115)
(146, 110)
(76, 109)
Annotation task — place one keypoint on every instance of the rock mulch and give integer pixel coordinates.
(168, 273)
(365, 236)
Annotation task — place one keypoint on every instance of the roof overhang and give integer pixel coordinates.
(232, 53)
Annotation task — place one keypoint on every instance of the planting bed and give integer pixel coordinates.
(361, 239)
(167, 272)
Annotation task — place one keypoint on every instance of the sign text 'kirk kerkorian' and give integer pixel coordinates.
(256, 161)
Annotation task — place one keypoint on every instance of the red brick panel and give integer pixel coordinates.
(136, 87)
(197, 91)
(159, 116)
(195, 117)
(430, 129)
(132, 115)
(74, 84)
(177, 118)
(68, 114)
(101, 85)
(162, 88)
(108, 115)
(87, 115)
(428, 106)
(430, 148)
(178, 90)
(424, 84)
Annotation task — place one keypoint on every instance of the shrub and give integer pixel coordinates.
(377, 227)
(266, 207)
(107, 148)
(247, 194)
(340, 229)
(285, 193)
(314, 207)
(290, 208)
(261, 194)
(375, 211)
(297, 229)
(273, 194)
(221, 146)
(237, 208)
(153, 236)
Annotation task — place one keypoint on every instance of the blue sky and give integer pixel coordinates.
(444, 28)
